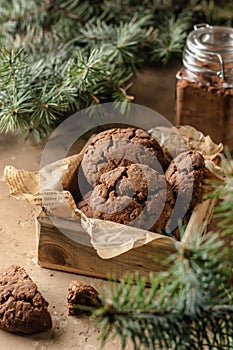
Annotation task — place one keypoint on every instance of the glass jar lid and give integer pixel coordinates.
(209, 50)
(211, 39)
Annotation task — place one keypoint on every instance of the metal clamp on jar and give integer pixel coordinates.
(205, 83)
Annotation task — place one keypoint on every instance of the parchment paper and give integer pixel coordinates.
(48, 189)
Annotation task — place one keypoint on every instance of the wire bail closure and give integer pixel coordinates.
(201, 25)
(209, 52)
(221, 74)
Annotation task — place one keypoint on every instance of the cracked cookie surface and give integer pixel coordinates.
(186, 177)
(134, 195)
(22, 307)
(121, 146)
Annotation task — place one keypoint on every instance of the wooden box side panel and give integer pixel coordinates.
(64, 245)
(59, 251)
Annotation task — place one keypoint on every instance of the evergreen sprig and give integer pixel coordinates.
(60, 37)
(171, 38)
(28, 104)
(34, 96)
(185, 308)
(223, 192)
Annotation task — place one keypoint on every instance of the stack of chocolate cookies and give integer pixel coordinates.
(130, 182)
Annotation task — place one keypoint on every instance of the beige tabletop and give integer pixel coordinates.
(153, 88)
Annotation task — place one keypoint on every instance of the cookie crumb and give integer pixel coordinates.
(80, 294)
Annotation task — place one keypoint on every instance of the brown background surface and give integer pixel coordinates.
(154, 88)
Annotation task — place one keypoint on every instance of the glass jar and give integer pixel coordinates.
(205, 83)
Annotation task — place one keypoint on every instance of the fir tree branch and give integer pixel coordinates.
(30, 103)
(186, 307)
(223, 191)
(30, 12)
(128, 35)
(171, 38)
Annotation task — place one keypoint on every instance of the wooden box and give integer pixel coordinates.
(66, 246)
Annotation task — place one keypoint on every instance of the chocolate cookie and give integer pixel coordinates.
(80, 294)
(122, 147)
(133, 195)
(186, 177)
(22, 308)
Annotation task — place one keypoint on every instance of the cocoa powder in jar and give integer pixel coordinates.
(204, 90)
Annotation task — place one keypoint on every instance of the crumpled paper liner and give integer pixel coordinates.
(182, 138)
(48, 189)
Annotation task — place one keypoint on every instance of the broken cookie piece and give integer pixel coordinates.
(82, 295)
(22, 307)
